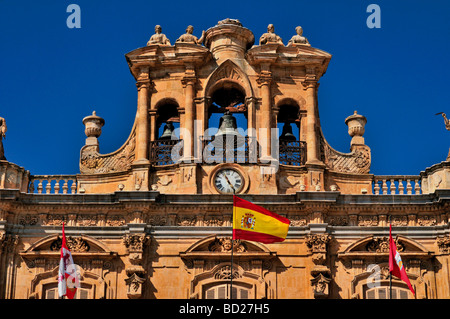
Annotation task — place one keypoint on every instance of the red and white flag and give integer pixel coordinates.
(68, 281)
(396, 267)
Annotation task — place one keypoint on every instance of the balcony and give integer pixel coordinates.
(292, 153)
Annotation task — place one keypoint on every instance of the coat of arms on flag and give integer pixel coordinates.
(248, 221)
(255, 223)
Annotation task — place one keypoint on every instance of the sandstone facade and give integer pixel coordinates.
(144, 223)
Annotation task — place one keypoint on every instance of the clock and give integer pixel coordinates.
(226, 180)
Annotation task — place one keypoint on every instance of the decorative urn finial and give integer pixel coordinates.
(93, 128)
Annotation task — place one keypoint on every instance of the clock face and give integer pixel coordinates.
(228, 179)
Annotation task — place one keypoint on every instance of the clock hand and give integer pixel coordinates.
(229, 183)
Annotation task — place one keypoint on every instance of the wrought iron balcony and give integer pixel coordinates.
(231, 149)
(292, 153)
(161, 151)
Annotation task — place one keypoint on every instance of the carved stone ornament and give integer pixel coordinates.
(91, 162)
(225, 273)
(426, 221)
(320, 285)
(381, 245)
(224, 245)
(337, 220)
(28, 220)
(367, 220)
(298, 221)
(8, 242)
(135, 243)
(186, 221)
(358, 161)
(444, 244)
(134, 286)
(115, 220)
(317, 243)
(75, 244)
(157, 220)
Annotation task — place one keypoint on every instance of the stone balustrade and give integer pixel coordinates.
(53, 184)
(396, 185)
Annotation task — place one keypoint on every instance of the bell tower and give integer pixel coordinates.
(222, 113)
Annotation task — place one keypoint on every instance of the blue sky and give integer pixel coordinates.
(51, 76)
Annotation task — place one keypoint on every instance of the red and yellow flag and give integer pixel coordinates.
(255, 223)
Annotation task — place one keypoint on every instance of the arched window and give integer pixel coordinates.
(51, 291)
(228, 110)
(223, 291)
(383, 292)
(292, 150)
(167, 135)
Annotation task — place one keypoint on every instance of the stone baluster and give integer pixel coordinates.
(40, 187)
(392, 187)
(408, 187)
(376, 188)
(65, 187)
(57, 186)
(401, 188)
(73, 187)
(416, 187)
(384, 187)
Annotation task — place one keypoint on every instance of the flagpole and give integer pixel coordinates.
(232, 246)
(232, 241)
(390, 274)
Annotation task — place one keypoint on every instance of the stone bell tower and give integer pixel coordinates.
(271, 91)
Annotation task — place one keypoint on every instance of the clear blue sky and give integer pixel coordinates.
(52, 76)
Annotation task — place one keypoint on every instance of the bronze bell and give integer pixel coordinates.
(228, 130)
(168, 131)
(286, 134)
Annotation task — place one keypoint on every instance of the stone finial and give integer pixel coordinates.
(188, 37)
(447, 126)
(356, 123)
(270, 36)
(230, 21)
(2, 135)
(298, 38)
(158, 37)
(93, 128)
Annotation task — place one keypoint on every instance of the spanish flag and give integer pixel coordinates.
(255, 223)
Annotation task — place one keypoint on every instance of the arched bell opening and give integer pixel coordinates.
(226, 139)
(292, 150)
(166, 132)
(227, 96)
(167, 120)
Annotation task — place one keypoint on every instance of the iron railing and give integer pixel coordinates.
(292, 153)
(229, 150)
(165, 152)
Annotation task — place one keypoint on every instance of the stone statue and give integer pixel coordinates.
(298, 38)
(270, 36)
(447, 126)
(188, 37)
(158, 37)
(2, 135)
(446, 120)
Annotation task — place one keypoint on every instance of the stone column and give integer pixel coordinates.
(264, 81)
(153, 129)
(310, 85)
(189, 116)
(142, 128)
